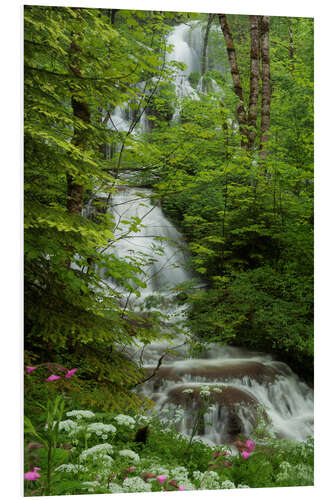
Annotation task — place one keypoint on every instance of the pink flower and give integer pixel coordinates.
(30, 369)
(70, 373)
(181, 488)
(32, 475)
(130, 469)
(245, 455)
(161, 479)
(53, 377)
(250, 444)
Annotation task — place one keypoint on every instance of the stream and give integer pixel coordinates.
(243, 385)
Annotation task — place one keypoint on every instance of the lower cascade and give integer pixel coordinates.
(234, 386)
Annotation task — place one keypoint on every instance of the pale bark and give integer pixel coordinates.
(266, 84)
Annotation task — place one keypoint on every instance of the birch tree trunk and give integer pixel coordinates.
(266, 84)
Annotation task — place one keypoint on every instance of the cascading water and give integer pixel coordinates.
(248, 381)
(241, 383)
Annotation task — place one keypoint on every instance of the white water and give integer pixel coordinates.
(251, 379)
(248, 380)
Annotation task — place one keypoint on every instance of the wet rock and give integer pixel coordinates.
(217, 370)
(229, 397)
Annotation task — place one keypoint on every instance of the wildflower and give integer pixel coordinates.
(181, 488)
(90, 485)
(245, 455)
(250, 444)
(135, 485)
(53, 377)
(243, 486)
(67, 425)
(205, 391)
(227, 485)
(30, 369)
(71, 468)
(130, 454)
(70, 373)
(125, 420)
(95, 451)
(161, 479)
(217, 389)
(99, 428)
(187, 391)
(207, 480)
(130, 469)
(80, 414)
(115, 488)
(32, 475)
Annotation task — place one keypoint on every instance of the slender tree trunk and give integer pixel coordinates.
(240, 111)
(266, 84)
(205, 44)
(80, 111)
(254, 80)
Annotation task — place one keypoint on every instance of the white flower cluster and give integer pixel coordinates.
(205, 391)
(67, 425)
(90, 485)
(243, 486)
(71, 468)
(79, 414)
(179, 474)
(179, 415)
(207, 480)
(227, 485)
(135, 485)
(97, 451)
(101, 429)
(217, 389)
(115, 488)
(143, 419)
(158, 470)
(130, 454)
(125, 420)
(300, 473)
(188, 391)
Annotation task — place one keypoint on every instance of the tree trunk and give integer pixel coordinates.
(205, 45)
(80, 111)
(254, 80)
(266, 84)
(240, 111)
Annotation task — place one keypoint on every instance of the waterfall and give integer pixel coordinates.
(242, 384)
(249, 382)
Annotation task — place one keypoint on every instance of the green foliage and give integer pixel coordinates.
(247, 219)
(194, 78)
(93, 456)
(72, 314)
